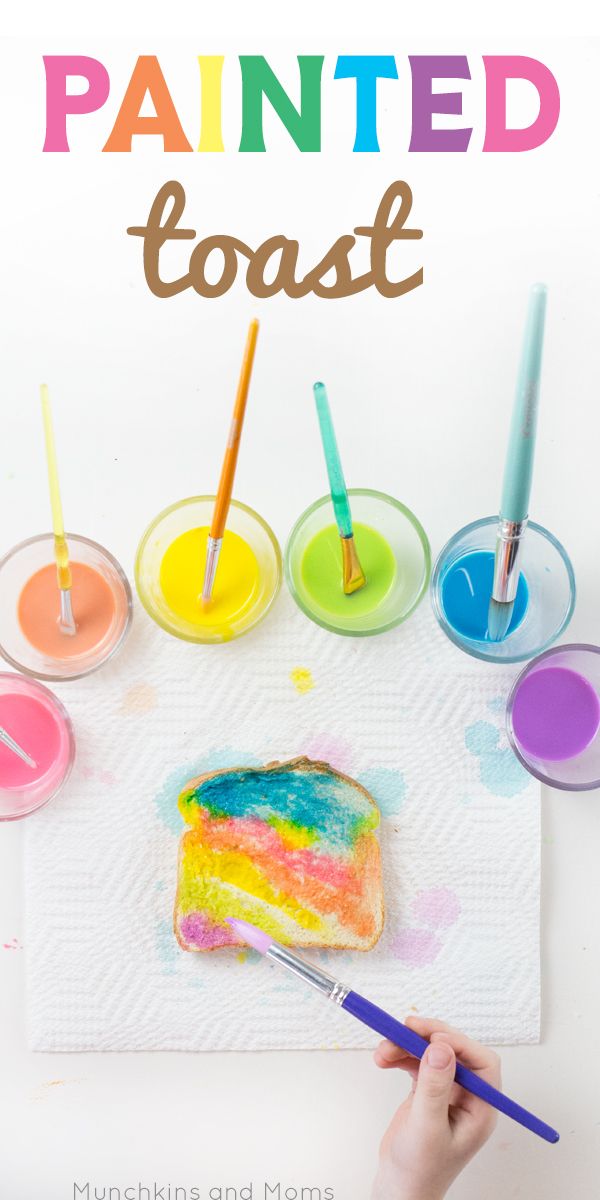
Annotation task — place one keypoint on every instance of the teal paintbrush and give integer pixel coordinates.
(353, 574)
(516, 488)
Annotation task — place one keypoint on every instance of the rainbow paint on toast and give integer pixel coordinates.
(290, 847)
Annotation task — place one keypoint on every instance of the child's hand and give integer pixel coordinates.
(440, 1126)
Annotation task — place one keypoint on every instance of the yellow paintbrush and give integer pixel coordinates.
(63, 571)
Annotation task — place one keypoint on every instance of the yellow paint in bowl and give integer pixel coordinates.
(169, 571)
(236, 583)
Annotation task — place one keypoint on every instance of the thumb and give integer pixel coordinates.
(434, 1084)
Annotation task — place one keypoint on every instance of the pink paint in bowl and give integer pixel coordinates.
(36, 721)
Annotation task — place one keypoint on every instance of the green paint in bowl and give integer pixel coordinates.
(394, 553)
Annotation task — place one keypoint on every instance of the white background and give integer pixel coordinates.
(422, 388)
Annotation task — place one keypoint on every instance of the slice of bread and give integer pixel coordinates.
(289, 847)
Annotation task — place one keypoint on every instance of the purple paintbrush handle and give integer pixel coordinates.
(404, 1037)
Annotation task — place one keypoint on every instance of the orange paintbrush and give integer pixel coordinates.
(223, 498)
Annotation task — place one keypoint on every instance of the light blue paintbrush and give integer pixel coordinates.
(352, 572)
(514, 507)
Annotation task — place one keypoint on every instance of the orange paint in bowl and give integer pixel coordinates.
(94, 608)
(30, 636)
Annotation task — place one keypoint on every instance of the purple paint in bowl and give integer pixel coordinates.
(556, 714)
(553, 717)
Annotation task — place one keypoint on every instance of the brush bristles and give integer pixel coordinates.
(354, 584)
(353, 574)
(67, 620)
(499, 619)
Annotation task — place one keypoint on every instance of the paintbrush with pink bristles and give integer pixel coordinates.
(384, 1024)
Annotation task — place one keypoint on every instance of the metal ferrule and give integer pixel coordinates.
(330, 988)
(508, 555)
(10, 744)
(213, 550)
(67, 620)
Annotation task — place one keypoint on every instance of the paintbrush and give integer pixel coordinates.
(224, 490)
(514, 507)
(384, 1024)
(66, 620)
(10, 743)
(352, 573)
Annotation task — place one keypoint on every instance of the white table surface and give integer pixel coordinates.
(439, 369)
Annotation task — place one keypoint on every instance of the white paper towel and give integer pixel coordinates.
(407, 714)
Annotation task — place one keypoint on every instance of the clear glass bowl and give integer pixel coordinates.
(550, 580)
(407, 540)
(193, 513)
(17, 567)
(582, 772)
(22, 798)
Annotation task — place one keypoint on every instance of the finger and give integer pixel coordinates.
(401, 1061)
(435, 1082)
(480, 1059)
(470, 1116)
(390, 1051)
(471, 1054)
(410, 1066)
(388, 1054)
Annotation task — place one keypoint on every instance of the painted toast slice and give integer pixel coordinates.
(290, 847)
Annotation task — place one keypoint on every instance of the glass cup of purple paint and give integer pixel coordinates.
(553, 717)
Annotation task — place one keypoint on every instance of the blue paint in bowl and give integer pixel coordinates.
(466, 591)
